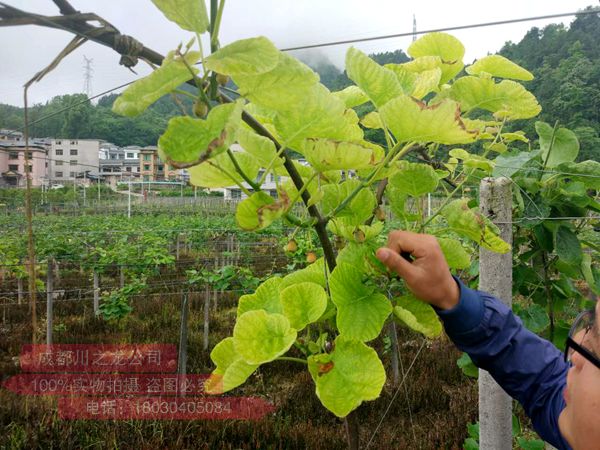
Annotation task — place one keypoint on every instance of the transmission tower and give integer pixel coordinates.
(87, 76)
(414, 28)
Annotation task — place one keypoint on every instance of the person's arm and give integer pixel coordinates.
(529, 368)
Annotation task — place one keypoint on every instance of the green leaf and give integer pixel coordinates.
(168, 77)
(418, 316)
(499, 66)
(560, 146)
(260, 337)
(471, 224)
(350, 375)
(411, 120)
(587, 172)
(358, 233)
(414, 179)
(189, 140)
(317, 114)
(260, 147)
(455, 254)
(300, 106)
(372, 120)
(507, 99)
(472, 161)
(259, 211)
(449, 49)
(314, 273)
(588, 273)
(361, 311)
(359, 255)
(416, 66)
(465, 363)
(544, 238)
(406, 77)
(188, 14)
(252, 56)
(508, 164)
(377, 82)
(470, 444)
(324, 154)
(568, 247)
(231, 370)
(209, 173)
(426, 82)
(534, 317)
(303, 303)
(352, 96)
(398, 205)
(283, 87)
(531, 444)
(473, 430)
(516, 136)
(358, 210)
(266, 298)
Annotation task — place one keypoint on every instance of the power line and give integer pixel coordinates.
(436, 30)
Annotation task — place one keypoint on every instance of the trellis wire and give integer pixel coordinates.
(395, 395)
(90, 299)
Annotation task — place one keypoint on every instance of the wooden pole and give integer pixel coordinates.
(495, 277)
(183, 333)
(96, 293)
(19, 290)
(29, 217)
(49, 302)
(394, 349)
(206, 315)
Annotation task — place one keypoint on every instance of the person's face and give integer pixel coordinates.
(579, 422)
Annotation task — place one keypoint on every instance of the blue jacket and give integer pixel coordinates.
(529, 368)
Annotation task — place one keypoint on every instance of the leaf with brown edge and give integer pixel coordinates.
(188, 142)
(260, 210)
(325, 368)
(412, 120)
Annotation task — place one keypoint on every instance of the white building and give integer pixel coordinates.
(70, 158)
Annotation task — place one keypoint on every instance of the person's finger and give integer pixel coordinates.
(408, 242)
(393, 261)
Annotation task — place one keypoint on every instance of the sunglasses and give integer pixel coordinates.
(583, 324)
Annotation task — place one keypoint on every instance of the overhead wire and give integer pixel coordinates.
(437, 30)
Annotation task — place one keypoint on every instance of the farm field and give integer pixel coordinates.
(146, 246)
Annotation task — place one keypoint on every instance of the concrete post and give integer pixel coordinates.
(495, 277)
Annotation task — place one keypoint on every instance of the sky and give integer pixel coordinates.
(24, 50)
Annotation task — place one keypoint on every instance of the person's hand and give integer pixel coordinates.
(427, 276)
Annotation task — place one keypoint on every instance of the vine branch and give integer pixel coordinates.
(131, 50)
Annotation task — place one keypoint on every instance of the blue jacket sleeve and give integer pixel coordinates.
(529, 368)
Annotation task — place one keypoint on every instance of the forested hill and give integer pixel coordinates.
(566, 65)
(84, 120)
(564, 60)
